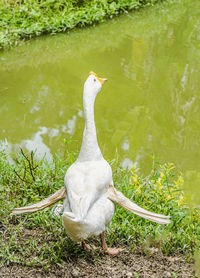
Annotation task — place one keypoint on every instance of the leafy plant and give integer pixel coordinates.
(39, 238)
(27, 19)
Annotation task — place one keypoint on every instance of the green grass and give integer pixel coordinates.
(39, 238)
(25, 19)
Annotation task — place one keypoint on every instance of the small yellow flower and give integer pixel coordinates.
(159, 183)
(162, 175)
(135, 179)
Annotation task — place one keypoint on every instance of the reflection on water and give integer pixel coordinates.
(37, 145)
(125, 145)
(150, 106)
(71, 125)
(127, 163)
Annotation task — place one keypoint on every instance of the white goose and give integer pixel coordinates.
(89, 192)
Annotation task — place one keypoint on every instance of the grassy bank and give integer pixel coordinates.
(39, 238)
(25, 19)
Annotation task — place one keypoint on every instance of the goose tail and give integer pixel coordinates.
(52, 199)
(116, 196)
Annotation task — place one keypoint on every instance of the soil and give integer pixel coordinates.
(88, 264)
(123, 265)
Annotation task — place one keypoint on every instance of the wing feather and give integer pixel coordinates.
(116, 196)
(52, 199)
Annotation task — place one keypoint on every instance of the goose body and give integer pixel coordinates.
(89, 192)
(87, 210)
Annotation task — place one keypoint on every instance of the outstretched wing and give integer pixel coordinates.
(52, 199)
(118, 197)
(113, 194)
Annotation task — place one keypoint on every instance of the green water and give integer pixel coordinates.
(149, 107)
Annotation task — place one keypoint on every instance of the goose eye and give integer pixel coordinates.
(94, 80)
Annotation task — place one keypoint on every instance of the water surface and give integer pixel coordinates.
(149, 107)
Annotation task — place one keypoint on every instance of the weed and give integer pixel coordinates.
(39, 238)
(27, 19)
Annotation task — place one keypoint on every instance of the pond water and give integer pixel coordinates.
(150, 107)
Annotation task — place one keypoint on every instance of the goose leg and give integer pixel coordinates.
(105, 249)
(88, 247)
(103, 241)
(85, 246)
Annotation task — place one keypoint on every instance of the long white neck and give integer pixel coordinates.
(89, 149)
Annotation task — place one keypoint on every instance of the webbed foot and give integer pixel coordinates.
(112, 251)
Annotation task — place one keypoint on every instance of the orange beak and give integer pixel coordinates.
(102, 80)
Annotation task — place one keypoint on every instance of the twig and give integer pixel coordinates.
(30, 166)
(22, 179)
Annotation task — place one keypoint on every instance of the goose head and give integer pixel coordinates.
(93, 84)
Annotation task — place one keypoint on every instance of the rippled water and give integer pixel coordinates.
(149, 107)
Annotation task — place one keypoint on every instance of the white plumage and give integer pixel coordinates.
(89, 192)
(87, 210)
